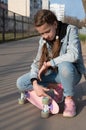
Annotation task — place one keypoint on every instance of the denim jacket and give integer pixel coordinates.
(70, 51)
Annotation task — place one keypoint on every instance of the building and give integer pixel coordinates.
(45, 4)
(59, 10)
(34, 6)
(4, 4)
(27, 7)
(24, 7)
(4, 1)
(84, 5)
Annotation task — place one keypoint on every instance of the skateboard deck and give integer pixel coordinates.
(37, 101)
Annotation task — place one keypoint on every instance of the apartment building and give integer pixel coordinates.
(4, 1)
(4, 4)
(59, 10)
(27, 7)
(24, 7)
(45, 4)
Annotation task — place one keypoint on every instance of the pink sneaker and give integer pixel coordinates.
(70, 108)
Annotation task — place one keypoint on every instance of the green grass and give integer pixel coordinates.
(82, 37)
(10, 36)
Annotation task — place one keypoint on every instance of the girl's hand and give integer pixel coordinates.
(40, 90)
(43, 69)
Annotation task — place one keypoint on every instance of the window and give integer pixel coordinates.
(35, 4)
(4, 1)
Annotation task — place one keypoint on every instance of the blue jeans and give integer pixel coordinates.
(67, 75)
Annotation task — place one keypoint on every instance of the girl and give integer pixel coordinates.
(59, 60)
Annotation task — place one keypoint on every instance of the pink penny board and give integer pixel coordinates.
(37, 101)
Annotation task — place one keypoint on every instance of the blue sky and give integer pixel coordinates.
(72, 7)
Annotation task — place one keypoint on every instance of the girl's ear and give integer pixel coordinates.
(55, 24)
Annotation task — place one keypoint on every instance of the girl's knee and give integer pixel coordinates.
(19, 84)
(23, 83)
(66, 68)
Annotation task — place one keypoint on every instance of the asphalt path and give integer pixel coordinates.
(15, 60)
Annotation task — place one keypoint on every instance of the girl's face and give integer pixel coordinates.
(47, 31)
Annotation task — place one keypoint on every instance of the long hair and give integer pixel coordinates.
(45, 55)
(46, 16)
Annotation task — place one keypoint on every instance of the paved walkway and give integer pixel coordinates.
(15, 60)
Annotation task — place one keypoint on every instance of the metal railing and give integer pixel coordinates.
(14, 26)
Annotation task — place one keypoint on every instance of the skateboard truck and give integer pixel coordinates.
(46, 108)
(22, 99)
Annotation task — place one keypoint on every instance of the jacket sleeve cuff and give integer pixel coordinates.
(33, 80)
(52, 63)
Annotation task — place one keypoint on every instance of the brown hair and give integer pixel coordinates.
(46, 16)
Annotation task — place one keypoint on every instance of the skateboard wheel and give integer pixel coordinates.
(44, 114)
(21, 101)
(45, 100)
